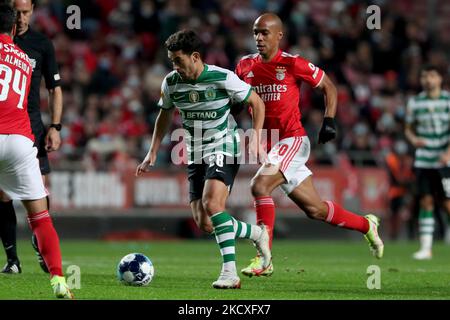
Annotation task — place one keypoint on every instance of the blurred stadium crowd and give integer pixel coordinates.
(112, 69)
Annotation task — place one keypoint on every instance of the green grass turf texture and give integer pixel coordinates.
(185, 270)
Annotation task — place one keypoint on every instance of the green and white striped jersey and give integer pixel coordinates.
(431, 121)
(204, 105)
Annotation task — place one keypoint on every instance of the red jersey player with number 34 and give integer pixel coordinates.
(277, 76)
(20, 176)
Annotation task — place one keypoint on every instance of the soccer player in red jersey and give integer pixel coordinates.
(41, 52)
(20, 176)
(277, 77)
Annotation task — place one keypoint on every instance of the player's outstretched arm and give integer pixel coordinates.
(162, 124)
(258, 113)
(328, 130)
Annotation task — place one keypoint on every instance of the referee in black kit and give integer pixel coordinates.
(41, 52)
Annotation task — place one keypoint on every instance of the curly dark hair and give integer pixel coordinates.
(185, 40)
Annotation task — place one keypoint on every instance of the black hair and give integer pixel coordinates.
(185, 40)
(7, 18)
(431, 67)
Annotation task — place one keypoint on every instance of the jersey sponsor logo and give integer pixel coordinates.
(270, 92)
(280, 72)
(193, 96)
(250, 74)
(270, 88)
(210, 93)
(9, 48)
(200, 115)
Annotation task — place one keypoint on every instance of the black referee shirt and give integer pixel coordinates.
(41, 52)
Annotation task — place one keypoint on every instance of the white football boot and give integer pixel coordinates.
(423, 255)
(263, 247)
(227, 281)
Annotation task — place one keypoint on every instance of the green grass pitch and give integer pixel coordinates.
(185, 270)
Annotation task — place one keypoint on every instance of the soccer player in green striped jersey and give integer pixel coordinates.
(203, 94)
(428, 130)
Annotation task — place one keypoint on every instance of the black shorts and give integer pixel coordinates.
(434, 182)
(39, 142)
(218, 167)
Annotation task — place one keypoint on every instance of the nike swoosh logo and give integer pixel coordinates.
(220, 171)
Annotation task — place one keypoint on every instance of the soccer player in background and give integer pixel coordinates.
(203, 94)
(428, 130)
(277, 76)
(41, 52)
(20, 177)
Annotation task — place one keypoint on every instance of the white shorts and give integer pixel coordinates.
(291, 155)
(20, 176)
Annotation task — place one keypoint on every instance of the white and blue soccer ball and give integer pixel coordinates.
(135, 269)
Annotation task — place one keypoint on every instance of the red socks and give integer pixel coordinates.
(48, 241)
(340, 217)
(265, 213)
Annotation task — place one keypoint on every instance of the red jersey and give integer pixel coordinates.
(278, 84)
(15, 77)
